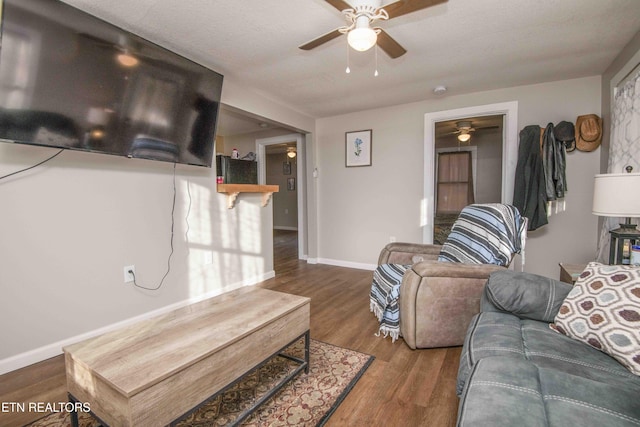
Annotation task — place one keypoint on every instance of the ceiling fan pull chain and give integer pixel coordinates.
(348, 70)
(375, 74)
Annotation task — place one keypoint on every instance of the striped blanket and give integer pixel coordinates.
(482, 234)
(485, 234)
(384, 297)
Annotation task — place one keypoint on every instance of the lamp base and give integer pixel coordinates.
(627, 225)
(626, 231)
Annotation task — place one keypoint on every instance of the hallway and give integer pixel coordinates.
(285, 251)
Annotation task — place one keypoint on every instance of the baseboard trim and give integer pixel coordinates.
(349, 264)
(54, 349)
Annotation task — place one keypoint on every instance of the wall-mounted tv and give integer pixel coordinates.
(71, 80)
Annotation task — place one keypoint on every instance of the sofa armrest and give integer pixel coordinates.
(438, 300)
(404, 253)
(526, 295)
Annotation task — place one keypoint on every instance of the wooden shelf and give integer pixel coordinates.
(233, 190)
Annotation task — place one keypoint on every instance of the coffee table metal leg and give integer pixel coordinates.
(306, 351)
(74, 412)
(303, 364)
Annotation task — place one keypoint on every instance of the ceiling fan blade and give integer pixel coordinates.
(389, 45)
(339, 4)
(321, 40)
(402, 7)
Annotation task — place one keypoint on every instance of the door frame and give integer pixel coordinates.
(261, 145)
(509, 153)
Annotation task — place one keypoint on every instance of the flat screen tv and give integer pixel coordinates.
(71, 80)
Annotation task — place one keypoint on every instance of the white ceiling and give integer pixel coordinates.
(465, 45)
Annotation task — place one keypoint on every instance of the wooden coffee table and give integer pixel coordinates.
(154, 372)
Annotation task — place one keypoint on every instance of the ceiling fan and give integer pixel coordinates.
(360, 14)
(464, 129)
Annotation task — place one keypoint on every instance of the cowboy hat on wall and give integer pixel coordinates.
(588, 132)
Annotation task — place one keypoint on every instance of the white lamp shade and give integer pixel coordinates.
(617, 195)
(362, 38)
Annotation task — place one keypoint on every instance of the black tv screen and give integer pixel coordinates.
(71, 80)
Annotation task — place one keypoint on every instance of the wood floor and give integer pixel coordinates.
(401, 388)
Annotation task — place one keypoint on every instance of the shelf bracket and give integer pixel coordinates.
(231, 199)
(265, 198)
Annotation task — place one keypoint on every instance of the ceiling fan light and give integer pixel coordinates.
(362, 39)
(127, 59)
(464, 137)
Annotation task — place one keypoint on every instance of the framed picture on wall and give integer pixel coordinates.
(291, 184)
(358, 148)
(286, 168)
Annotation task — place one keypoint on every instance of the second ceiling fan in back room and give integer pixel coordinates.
(464, 129)
(361, 14)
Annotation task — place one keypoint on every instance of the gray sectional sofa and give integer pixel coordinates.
(516, 371)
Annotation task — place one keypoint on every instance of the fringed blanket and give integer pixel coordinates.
(486, 234)
(383, 300)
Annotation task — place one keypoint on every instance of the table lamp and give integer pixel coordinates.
(618, 195)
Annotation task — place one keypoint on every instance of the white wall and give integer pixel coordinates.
(359, 209)
(70, 226)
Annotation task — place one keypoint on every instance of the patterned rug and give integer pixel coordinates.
(307, 400)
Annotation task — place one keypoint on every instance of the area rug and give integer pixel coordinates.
(307, 400)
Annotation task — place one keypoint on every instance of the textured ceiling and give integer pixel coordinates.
(466, 45)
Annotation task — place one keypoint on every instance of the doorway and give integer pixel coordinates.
(487, 182)
(468, 156)
(281, 162)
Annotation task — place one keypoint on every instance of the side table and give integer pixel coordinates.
(569, 273)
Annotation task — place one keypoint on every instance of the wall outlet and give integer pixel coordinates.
(286, 211)
(129, 277)
(392, 239)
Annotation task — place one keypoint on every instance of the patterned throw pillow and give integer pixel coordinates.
(603, 310)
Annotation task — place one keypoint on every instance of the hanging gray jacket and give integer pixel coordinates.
(554, 160)
(529, 194)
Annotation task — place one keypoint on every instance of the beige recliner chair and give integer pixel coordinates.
(437, 298)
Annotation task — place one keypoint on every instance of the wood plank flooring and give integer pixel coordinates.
(401, 388)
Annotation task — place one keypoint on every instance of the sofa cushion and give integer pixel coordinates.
(603, 310)
(502, 392)
(526, 295)
(505, 391)
(492, 334)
